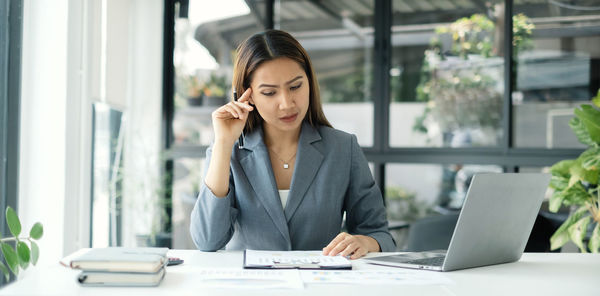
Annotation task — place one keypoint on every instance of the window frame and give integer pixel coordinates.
(505, 154)
(381, 153)
(11, 22)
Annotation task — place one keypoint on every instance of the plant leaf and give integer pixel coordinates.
(35, 253)
(36, 231)
(4, 271)
(596, 99)
(580, 131)
(14, 225)
(576, 195)
(578, 173)
(11, 258)
(561, 168)
(558, 182)
(577, 232)
(590, 159)
(594, 243)
(561, 235)
(556, 200)
(591, 120)
(24, 254)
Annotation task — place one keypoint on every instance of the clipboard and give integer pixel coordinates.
(254, 259)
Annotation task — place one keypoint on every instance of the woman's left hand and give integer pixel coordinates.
(355, 246)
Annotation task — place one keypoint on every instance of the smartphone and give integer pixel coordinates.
(174, 261)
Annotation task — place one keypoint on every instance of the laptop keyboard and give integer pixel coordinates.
(433, 261)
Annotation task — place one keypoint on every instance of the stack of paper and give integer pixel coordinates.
(254, 259)
(121, 266)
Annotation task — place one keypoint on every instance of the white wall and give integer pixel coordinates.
(66, 67)
(43, 110)
(143, 126)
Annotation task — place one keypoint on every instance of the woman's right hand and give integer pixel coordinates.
(229, 120)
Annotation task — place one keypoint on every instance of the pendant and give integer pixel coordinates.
(286, 166)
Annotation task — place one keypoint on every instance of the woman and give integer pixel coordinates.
(289, 185)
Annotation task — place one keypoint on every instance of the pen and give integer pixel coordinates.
(241, 139)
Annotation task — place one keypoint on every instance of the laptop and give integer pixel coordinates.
(493, 226)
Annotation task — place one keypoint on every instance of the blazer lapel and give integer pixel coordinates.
(308, 161)
(257, 167)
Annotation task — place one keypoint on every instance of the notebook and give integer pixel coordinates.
(120, 259)
(129, 279)
(492, 228)
(293, 259)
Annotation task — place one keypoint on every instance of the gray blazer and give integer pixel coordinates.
(331, 176)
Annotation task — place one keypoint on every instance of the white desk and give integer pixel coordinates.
(534, 274)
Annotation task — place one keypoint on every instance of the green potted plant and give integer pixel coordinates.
(21, 255)
(402, 204)
(194, 91)
(575, 184)
(463, 84)
(214, 90)
(158, 201)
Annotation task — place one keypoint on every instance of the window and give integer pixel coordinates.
(107, 176)
(414, 191)
(11, 13)
(205, 41)
(338, 37)
(446, 75)
(557, 68)
(429, 110)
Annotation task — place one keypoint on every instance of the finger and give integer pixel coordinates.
(245, 96)
(359, 253)
(231, 111)
(340, 237)
(242, 109)
(244, 106)
(351, 248)
(223, 113)
(341, 246)
(236, 108)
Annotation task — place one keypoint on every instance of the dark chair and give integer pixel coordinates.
(431, 233)
(435, 232)
(545, 225)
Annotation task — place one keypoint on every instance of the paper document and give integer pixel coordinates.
(250, 279)
(374, 277)
(294, 259)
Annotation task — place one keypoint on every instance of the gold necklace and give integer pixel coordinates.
(285, 163)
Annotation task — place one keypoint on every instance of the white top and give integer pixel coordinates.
(283, 195)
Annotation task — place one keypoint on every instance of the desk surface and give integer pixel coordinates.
(534, 274)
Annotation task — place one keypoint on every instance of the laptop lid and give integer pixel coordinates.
(496, 219)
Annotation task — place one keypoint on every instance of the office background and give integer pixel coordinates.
(105, 105)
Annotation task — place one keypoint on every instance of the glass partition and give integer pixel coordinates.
(338, 36)
(557, 68)
(415, 191)
(107, 157)
(446, 76)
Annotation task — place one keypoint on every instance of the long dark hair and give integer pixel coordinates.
(266, 46)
